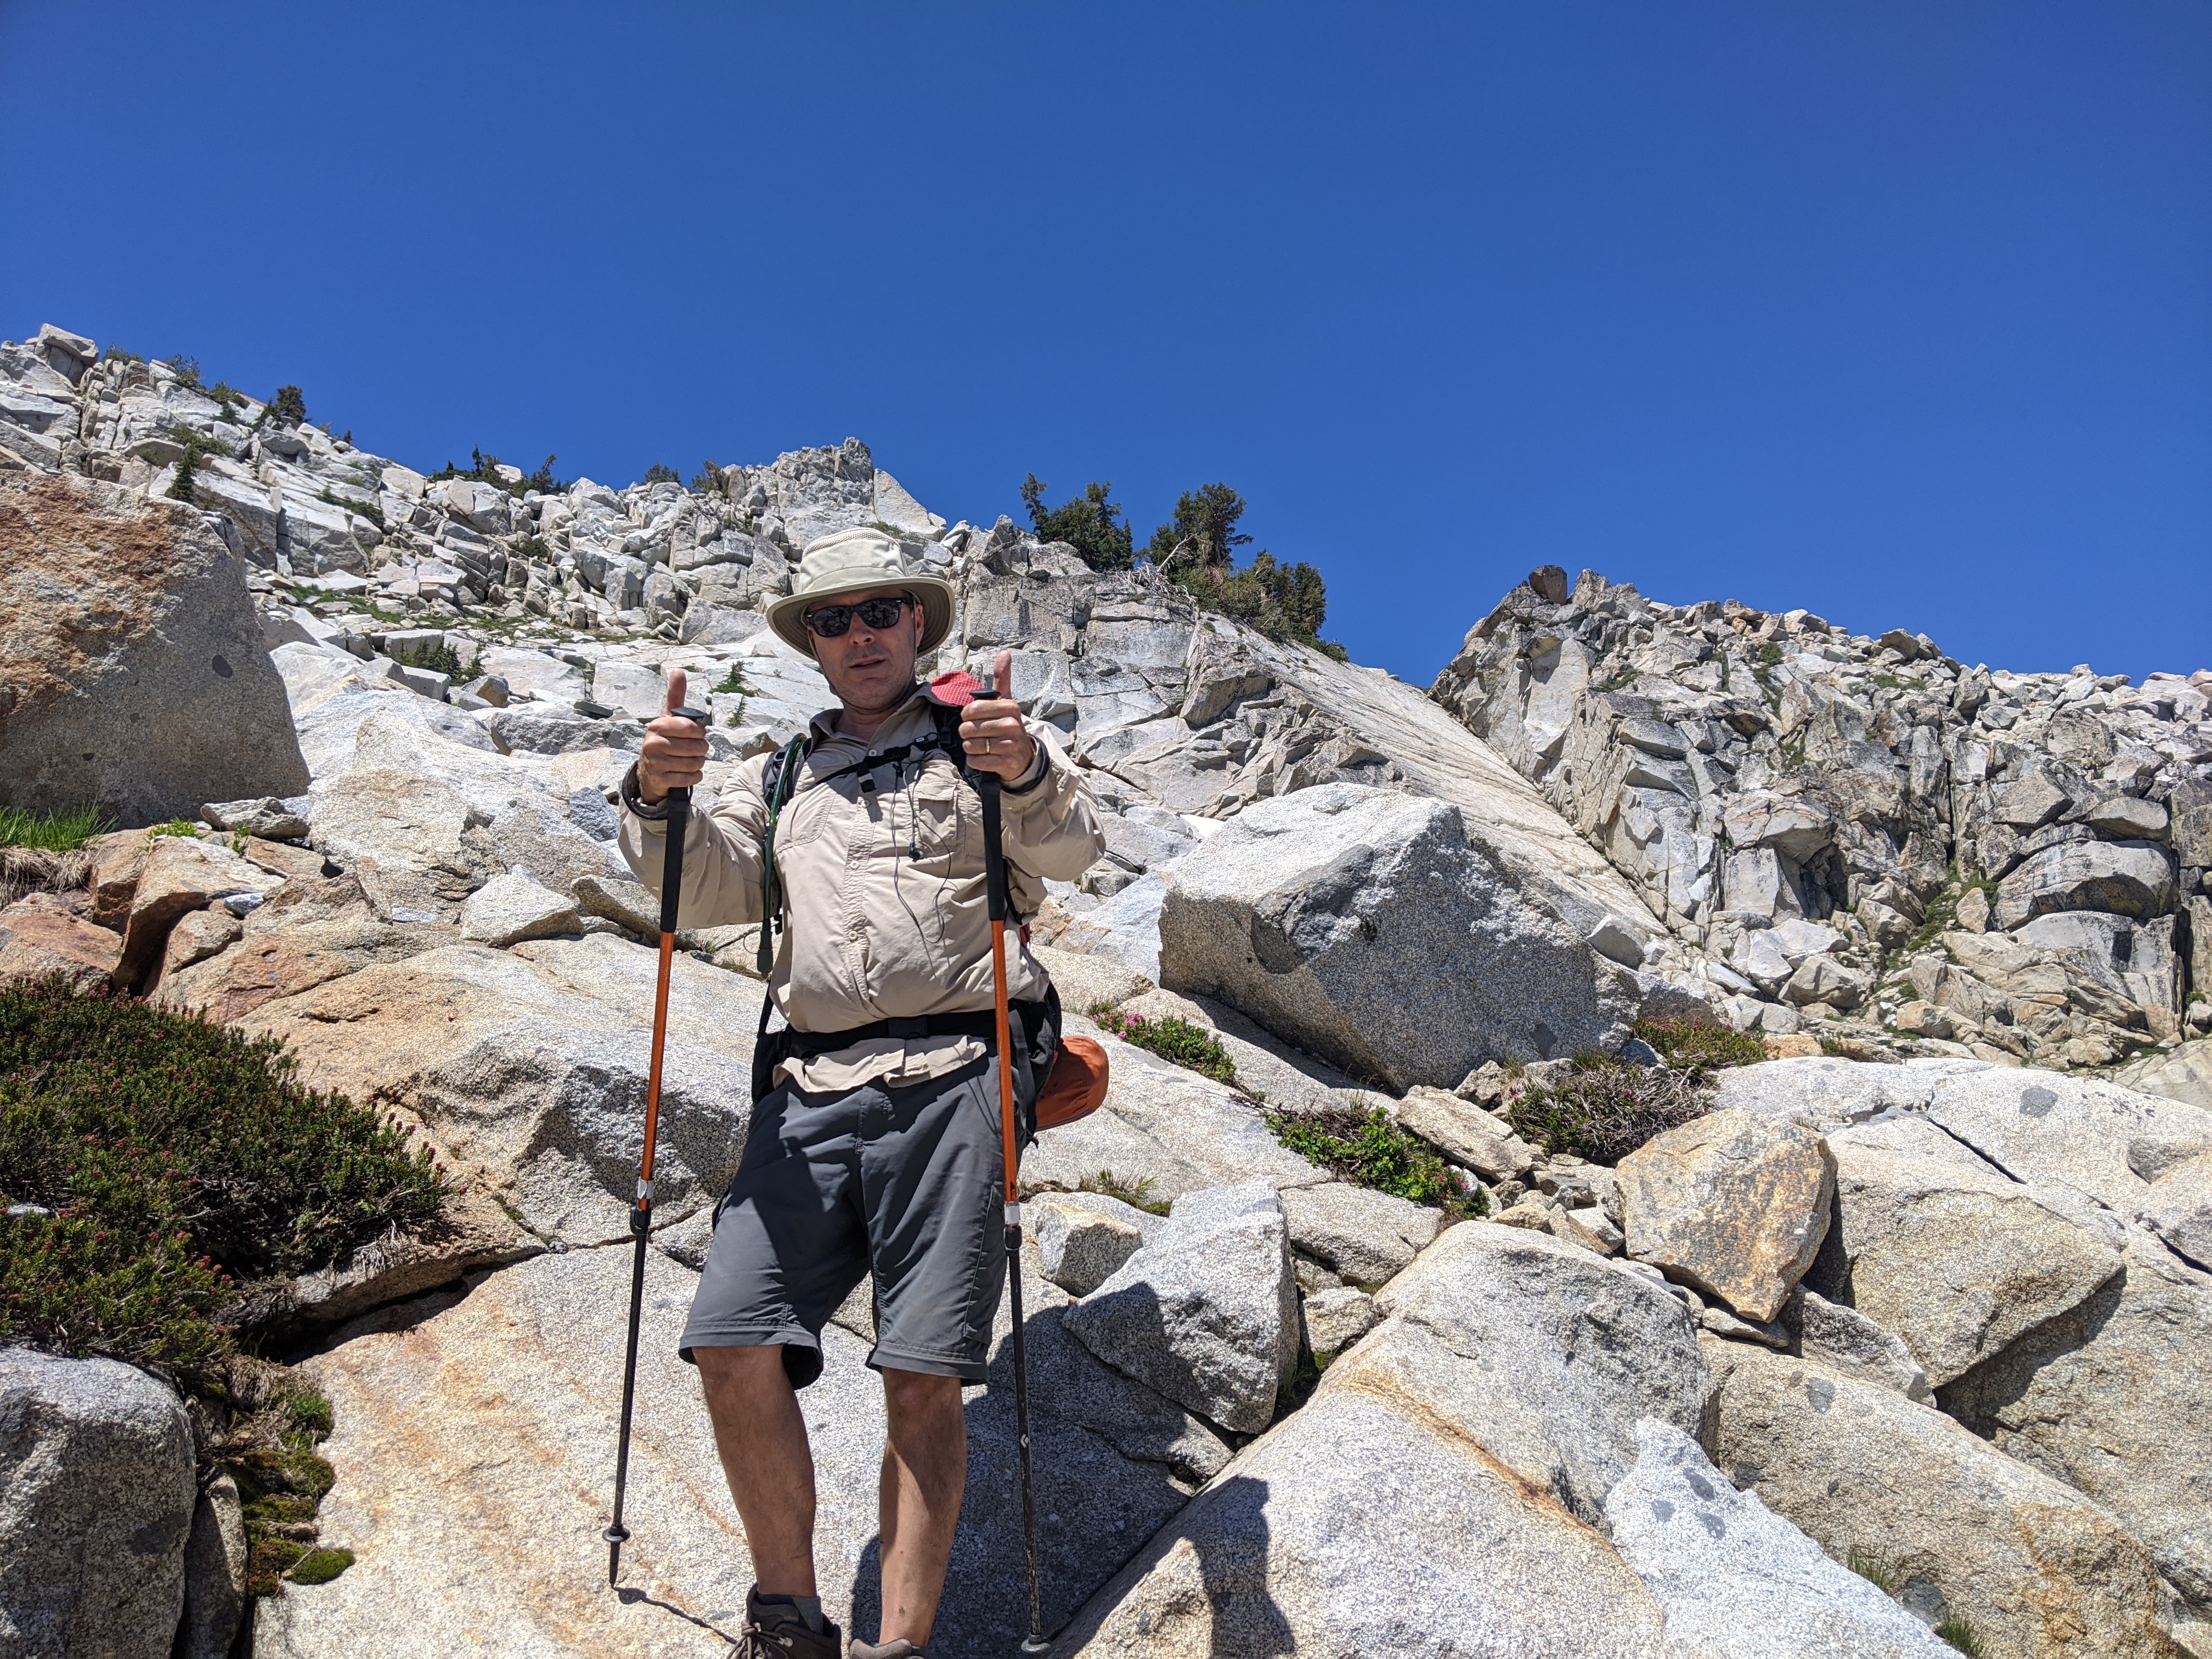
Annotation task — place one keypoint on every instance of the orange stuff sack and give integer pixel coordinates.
(1077, 1085)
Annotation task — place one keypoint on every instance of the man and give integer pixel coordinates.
(876, 1148)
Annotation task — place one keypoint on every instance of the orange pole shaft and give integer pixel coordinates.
(659, 1047)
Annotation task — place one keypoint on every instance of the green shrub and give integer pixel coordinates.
(185, 487)
(174, 827)
(1769, 653)
(1689, 1045)
(173, 1159)
(226, 395)
(187, 371)
(1171, 1038)
(1088, 522)
(707, 480)
(436, 655)
(733, 683)
(661, 473)
(1287, 602)
(116, 354)
(1361, 1145)
(62, 830)
(484, 469)
(288, 407)
(1604, 1110)
(1204, 519)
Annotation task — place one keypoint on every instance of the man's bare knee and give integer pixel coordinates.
(915, 1393)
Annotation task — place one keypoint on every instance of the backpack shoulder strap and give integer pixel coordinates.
(779, 782)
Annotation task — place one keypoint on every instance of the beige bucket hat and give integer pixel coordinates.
(853, 561)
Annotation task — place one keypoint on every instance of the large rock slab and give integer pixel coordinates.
(132, 670)
(1080, 1242)
(1441, 1493)
(466, 1422)
(1732, 1204)
(2097, 1137)
(1361, 923)
(418, 846)
(96, 1499)
(1207, 1311)
(1956, 1263)
(2037, 1569)
(528, 1068)
(2178, 1209)
(2111, 1398)
(1736, 1580)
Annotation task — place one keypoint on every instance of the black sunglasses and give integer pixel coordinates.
(830, 621)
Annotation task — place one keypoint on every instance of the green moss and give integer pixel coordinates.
(319, 1566)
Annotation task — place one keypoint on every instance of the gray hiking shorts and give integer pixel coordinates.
(902, 1182)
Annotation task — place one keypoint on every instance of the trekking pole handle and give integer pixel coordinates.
(994, 851)
(679, 826)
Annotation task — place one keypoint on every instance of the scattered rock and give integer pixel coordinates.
(1206, 1312)
(40, 936)
(512, 908)
(264, 815)
(1732, 1204)
(96, 1509)
(2109, 1398)
(181, 874)
(2178, 1209)
(1846, 1342)
(1335, 1319)
(1365, 1235)
(1466, 1134)
(1080, 1243)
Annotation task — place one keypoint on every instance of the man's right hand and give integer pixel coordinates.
(675, 752)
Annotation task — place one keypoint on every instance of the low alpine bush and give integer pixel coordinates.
(1688, 1046)
(1361, 1145)
(152, 1161)
(1171, 1038)
(1604, 1110)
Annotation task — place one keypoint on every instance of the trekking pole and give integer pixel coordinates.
(641, 1214)
(995, 878)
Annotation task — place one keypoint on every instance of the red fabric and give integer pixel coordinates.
(956, 688)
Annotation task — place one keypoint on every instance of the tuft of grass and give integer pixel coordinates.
(64, 830)
(1361, 1145)
(1170, 1037)
(1137, 1194)
(1960, 1635)
(166, 1159)
(1877, 1569)
(1604, 1110)
(1693, 1045)
(174, 826)
(1834, 1049)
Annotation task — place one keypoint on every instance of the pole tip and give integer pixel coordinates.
(1036, 1645)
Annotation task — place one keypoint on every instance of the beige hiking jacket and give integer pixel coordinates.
(883, 896)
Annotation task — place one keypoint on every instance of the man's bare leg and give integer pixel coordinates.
(770, 1468)
(925, 1472)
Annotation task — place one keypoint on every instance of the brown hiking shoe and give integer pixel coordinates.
(775, 1629)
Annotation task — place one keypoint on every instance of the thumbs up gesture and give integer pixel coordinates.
(992, 730)
(675, 752)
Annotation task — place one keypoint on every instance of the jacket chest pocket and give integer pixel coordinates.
(941, 813)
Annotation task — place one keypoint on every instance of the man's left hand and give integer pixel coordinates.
(992, 730)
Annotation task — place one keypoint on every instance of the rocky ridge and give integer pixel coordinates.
(1974, 1293)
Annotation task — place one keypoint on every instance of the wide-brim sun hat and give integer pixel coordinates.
(856, 562)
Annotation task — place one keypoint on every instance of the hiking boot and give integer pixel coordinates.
(902, 1649)
(776, 1629)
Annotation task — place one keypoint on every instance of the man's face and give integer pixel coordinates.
(870, 668)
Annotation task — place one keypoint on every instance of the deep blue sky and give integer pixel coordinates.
(1901, 312)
